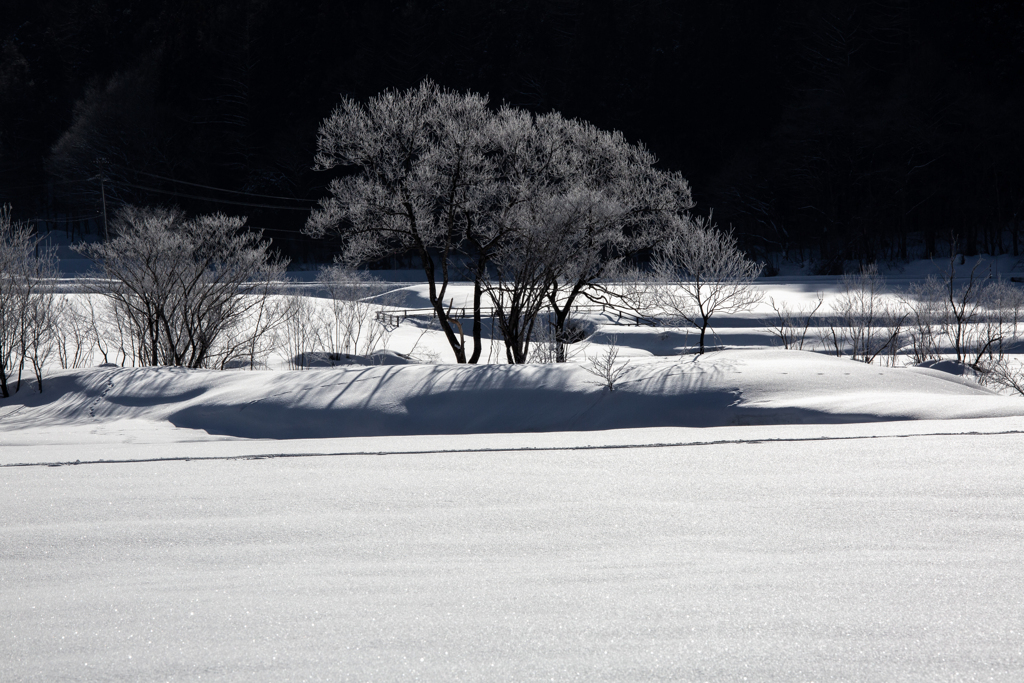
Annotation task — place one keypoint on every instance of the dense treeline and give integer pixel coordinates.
(850, 129)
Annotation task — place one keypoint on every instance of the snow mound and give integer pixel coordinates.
(733, 387)
(331, 360)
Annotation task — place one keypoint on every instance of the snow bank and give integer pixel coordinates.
(733, 387)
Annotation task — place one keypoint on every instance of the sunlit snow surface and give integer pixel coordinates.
(751, 514)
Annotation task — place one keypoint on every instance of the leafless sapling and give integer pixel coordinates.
(606, 367)
(701, 272)
(791, 326)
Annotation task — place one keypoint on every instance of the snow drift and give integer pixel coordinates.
(733, 387)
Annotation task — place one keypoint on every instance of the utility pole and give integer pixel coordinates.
(102, 163)
(103, 194)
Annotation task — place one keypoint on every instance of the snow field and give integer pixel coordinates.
(865, 559)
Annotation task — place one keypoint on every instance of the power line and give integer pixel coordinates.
(172, 180)
(294, 232)
(221, 189)
(47, 184)
(290, 231)
(211, 199)
(59, 219)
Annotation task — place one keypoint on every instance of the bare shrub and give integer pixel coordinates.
(790, 326)
(606, 366)
(27, 303)
(74, 341)
(543, 347)
(183, 284)
(962, 305)
(249, 342)
(301, 333)
(833, 335)
(353, 327)
(924, 303)
(862, 321)
(1004, 373)
(560, 340)
(976, 317)
(1002, 322)
(113, 334)
(318, 331)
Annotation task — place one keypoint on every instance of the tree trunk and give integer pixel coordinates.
(561, 317)
(477, 322)
(21, 367)
(929, 241)
(437, 301)
(449, 331)
(561, 355)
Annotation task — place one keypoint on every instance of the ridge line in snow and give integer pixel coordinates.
(522, 449)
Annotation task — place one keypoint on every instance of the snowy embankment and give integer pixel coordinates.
(732, 387)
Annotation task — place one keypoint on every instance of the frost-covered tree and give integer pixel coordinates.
(699, 272)
(183, 284)
(615, 206)
(569, 203)
(15, 248)
(27, 303)
(41, 316)
(539, 208)
(419, 161)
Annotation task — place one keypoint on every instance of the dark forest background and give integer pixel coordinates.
(821, 131)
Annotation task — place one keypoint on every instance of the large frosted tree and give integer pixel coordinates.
(419, 162)
(541, 208)
(570, 203)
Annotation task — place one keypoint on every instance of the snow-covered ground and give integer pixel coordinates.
(720, 388)
(750, 514)
(852, 559)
